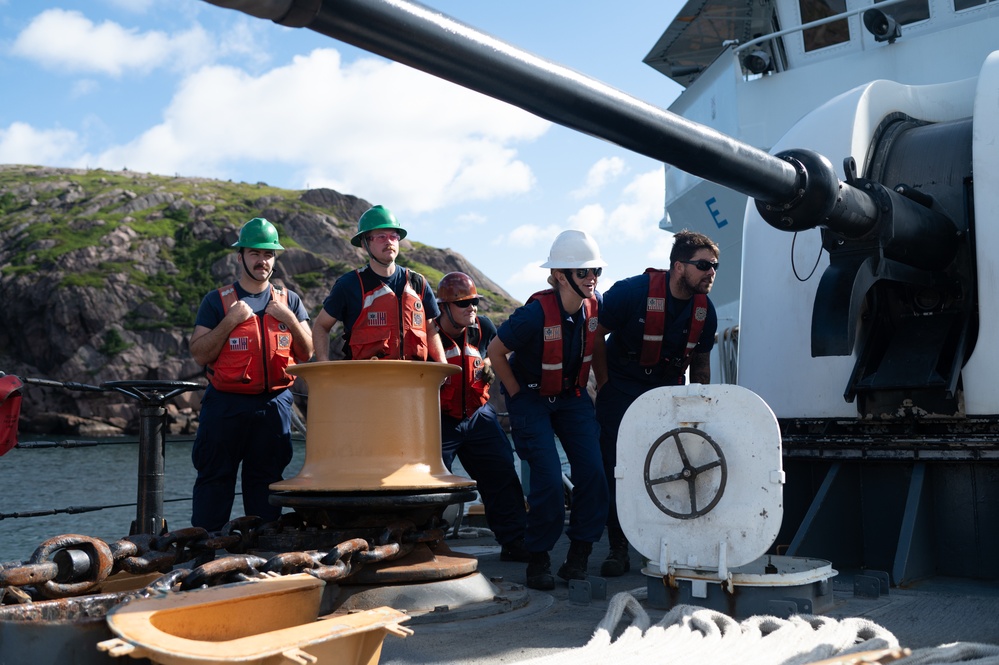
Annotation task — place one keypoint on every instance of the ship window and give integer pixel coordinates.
(967, 4)
(910, 11)
(827, 34)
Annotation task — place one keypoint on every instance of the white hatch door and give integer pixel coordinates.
(699, 477)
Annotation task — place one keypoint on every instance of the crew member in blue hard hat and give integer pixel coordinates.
(660, 323)
(551, 339)
(386, 310)
(470, 428)
(247, 334)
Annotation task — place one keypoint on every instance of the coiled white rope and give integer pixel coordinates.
(690, 635)
(697, 636)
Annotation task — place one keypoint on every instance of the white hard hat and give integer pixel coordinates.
(574, 249)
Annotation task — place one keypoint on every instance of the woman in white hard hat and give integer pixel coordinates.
(551, 340)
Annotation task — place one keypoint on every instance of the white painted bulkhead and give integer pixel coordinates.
(979, 374)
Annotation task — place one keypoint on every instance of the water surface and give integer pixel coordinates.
(43, 479)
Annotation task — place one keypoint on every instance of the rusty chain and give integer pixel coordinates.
(73, 565)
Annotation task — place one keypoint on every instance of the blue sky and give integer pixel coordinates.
(184, 87)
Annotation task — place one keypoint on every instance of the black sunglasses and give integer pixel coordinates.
(582, 272)
(703, 264)
(464, 304)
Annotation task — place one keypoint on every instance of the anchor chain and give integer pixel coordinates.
(73, 565)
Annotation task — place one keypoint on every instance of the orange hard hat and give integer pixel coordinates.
(455, 286)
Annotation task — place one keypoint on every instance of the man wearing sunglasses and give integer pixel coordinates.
(469, 426)
(661, 323)
(385, 308)
(551, 339)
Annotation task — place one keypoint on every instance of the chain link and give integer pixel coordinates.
(73, 565)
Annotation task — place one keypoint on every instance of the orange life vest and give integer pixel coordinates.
(462, 394)
(254, 358)
(10, 411)
(552, 380)
(385, 319)
(655, 322)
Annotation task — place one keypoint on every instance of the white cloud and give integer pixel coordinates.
(639, 213)
(68, 41)
(247, 40)
(23, 144)
(380, 130)
(83, 87)
(532, 236)
(627, 235)
(471, 219)
(634, 217)
(591, 218)
(531, 275)
(658, 253)
(602, 173)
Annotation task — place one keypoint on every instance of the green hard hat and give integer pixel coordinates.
(377, 217)
(258, 233)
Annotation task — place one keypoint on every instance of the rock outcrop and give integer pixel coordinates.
(101, 274)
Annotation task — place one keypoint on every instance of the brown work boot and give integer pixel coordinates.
(576, 560)
(618, 561)
(539, 572)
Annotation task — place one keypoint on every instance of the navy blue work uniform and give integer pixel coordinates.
(623, 313)
(536, 420)
(344, 300)
(234, 429)
(486, 454)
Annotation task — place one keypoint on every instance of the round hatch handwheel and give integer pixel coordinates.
(698, 441)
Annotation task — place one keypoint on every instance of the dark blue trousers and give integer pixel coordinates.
(611, 406)
(486, 454)
(252, 430)
(535, 421)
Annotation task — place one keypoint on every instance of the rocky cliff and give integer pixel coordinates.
(101, 275)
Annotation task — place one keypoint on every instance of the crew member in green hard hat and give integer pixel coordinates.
(246, 334)
(387, 311)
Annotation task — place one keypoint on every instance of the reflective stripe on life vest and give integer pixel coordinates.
(656, 306)
(462, 394)
(552, 380)
(254, 358)
(385, 319)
